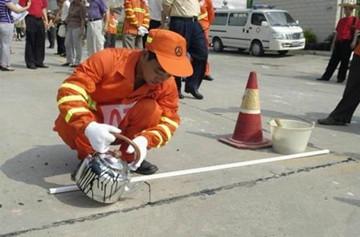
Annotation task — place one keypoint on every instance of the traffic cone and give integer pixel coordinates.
(248, 130)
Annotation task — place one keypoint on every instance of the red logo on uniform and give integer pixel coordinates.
(178, 51)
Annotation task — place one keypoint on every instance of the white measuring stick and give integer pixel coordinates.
(71, 188)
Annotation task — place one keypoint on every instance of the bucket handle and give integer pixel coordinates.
(116, 154)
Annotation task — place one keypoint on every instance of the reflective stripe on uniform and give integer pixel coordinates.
(202, 16)
(70, 98)
(166, 129)
(158, 135)
(76, 88)
(72, 111)
(169, 121)
(138, 9)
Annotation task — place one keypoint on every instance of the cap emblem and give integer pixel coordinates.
(178, 51)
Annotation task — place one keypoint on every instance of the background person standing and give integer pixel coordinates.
(63, 11)
(6, 31)
(350, 100)
(136, 23)
(206, 18)
(111, 28)
(95, 39)
(155, 11)
(184, 20)
(36, 23)
(342, 50)
(75, 27)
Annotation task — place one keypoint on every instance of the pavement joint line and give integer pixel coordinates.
(167, 201)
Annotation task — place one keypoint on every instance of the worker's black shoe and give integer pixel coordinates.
(194, 93)
(208, 78)
(146, 168)
(331, 121)
(321, 79)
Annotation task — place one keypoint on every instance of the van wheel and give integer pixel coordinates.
(283, 52)
(217, 45)
(256, 49)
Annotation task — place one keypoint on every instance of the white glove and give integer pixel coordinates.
(142, 30)
(142, 143)
(100, 136)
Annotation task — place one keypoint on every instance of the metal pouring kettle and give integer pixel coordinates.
(103, 177)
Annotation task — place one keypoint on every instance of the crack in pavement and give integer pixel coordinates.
(166, 201)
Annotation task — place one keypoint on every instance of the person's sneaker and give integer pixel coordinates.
(146, 168)
(65, 64)
(331, 121)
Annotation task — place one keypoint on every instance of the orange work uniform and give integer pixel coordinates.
(136, 15)
(102, 89)
(206, 18)
(112, 25)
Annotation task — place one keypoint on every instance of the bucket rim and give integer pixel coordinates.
(311, 124)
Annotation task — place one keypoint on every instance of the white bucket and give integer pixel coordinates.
(290, 136)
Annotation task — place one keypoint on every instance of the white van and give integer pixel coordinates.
(257, 30)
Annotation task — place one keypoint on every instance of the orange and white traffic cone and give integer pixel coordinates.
(248, 130)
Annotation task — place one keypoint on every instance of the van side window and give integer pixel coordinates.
(238, 19)
(220, 19)
(257, 18)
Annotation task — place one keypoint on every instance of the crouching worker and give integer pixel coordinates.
(125, 91)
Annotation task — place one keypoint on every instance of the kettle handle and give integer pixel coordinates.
(131, 143)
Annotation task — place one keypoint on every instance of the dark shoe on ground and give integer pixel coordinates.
(340, 81)
(65, 64)
(208, 78)
(321, 79)
(31, 66)
(146, 168)
(181, 96)
(42, 66)
(74, 65)
(331, 121)
(194, 93)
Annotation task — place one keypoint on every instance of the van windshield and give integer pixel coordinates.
(280, 19)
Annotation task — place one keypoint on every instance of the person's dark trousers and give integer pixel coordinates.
(341, 53)
(51, 36)
(60, 41)
(110, 40)
(191, 30)
(35, 41)
(351, 97)
(152, 25)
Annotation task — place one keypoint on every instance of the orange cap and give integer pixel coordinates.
(170, 50)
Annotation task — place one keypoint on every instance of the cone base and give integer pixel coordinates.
(246, 145)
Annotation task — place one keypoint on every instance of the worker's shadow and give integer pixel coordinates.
(47, 167)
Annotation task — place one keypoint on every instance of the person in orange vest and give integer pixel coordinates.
(206, 18)
(127, 91)
(136, 23)
(111, 28)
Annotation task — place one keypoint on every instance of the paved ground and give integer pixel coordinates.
(317, 196)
